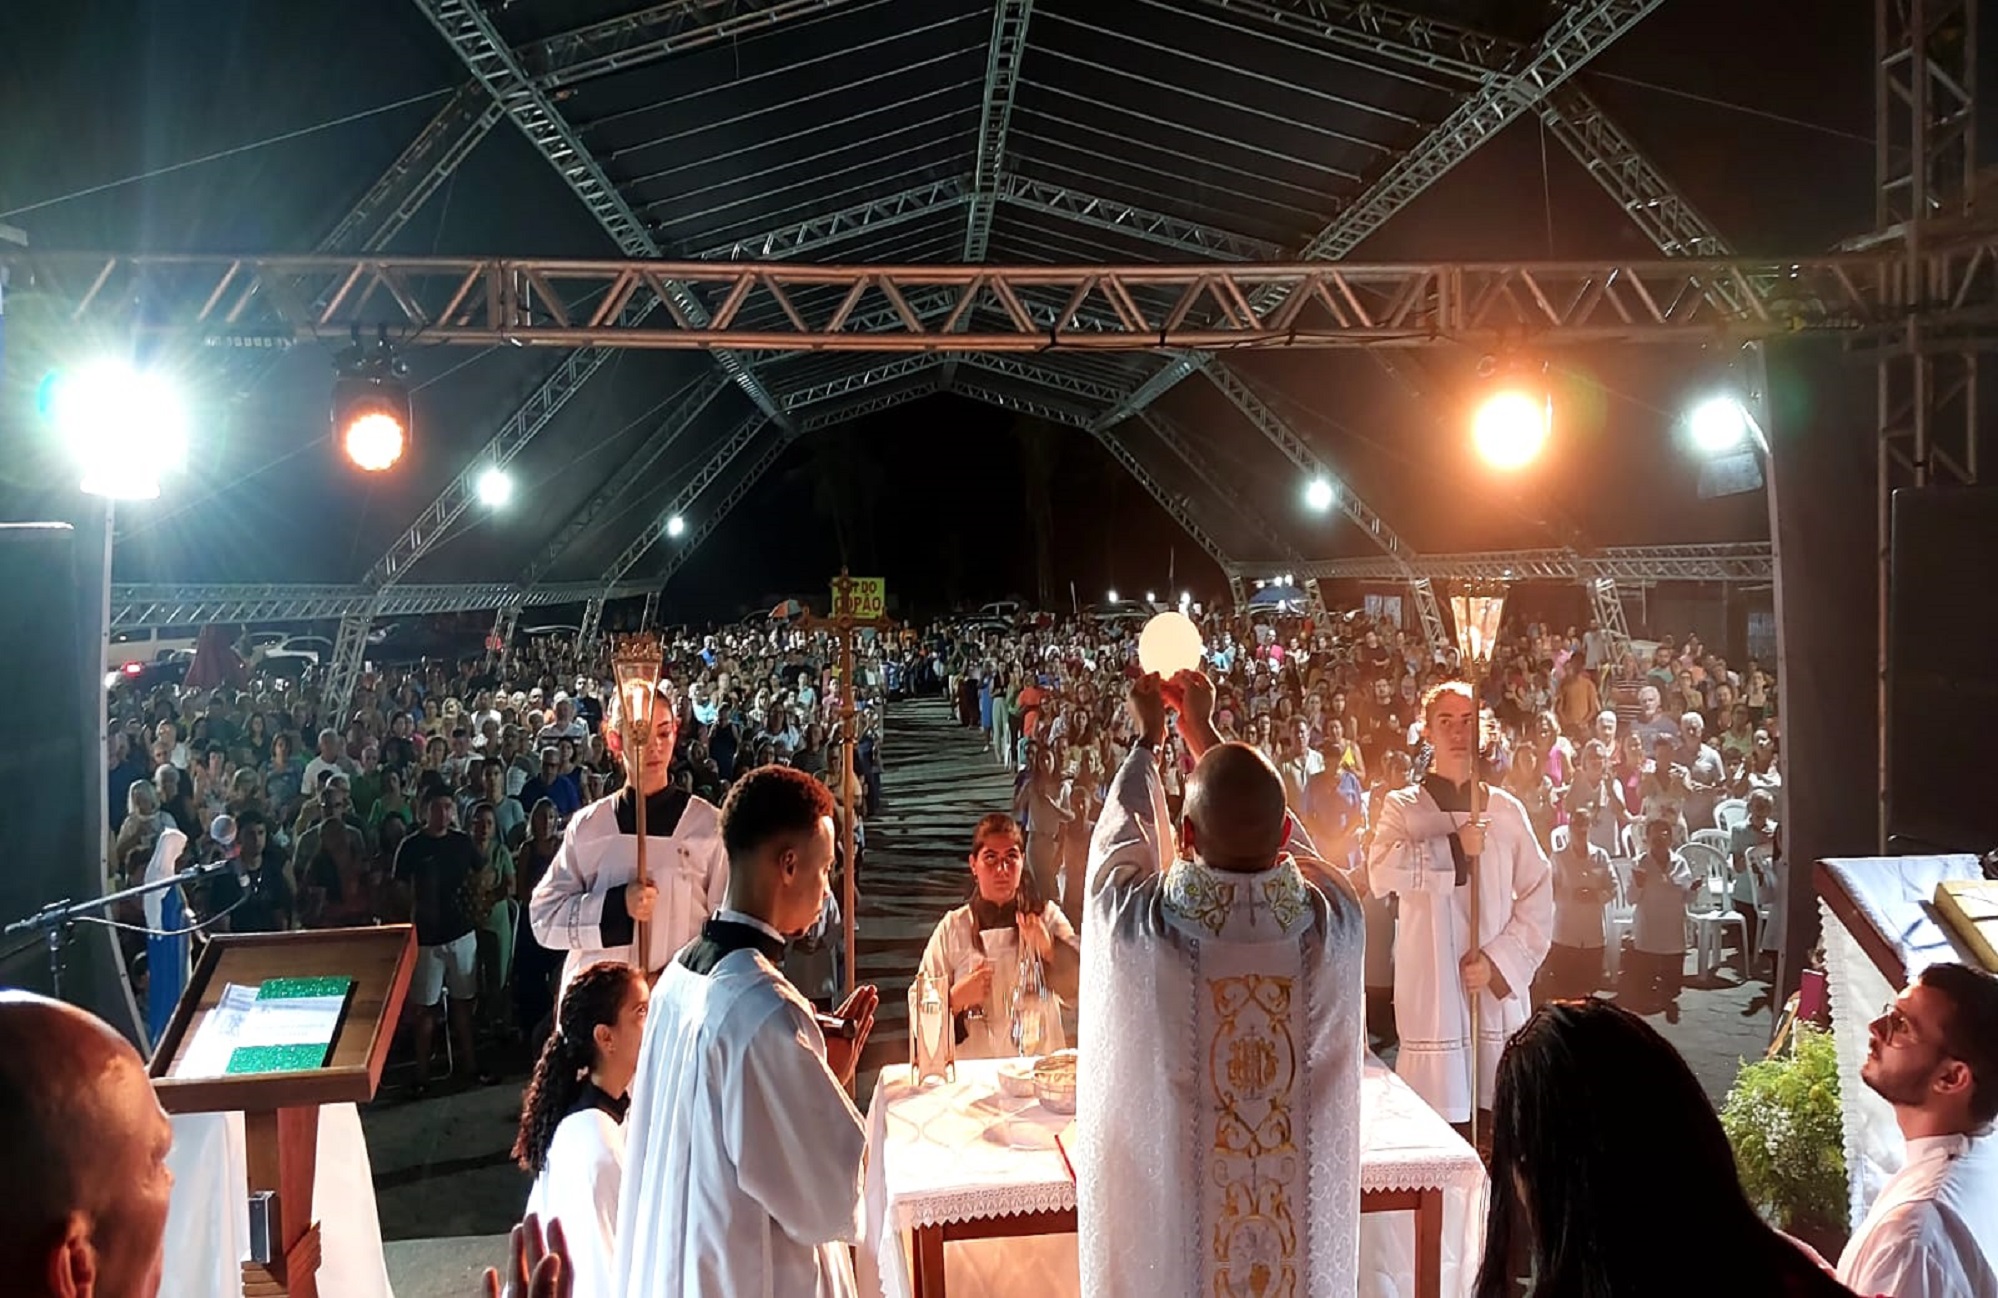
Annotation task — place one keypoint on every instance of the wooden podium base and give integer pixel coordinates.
(296, 1277)
(283, 1155)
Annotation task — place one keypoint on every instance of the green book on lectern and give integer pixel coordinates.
(291, 1025)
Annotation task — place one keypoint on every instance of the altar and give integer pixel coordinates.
(969, 1192)
(1879, 931)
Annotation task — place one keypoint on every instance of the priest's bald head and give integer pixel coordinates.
(1234, 816)
(83, 1146)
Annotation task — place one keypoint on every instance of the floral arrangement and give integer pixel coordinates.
(1783, 1120)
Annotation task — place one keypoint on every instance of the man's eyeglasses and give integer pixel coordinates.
(1896, 1028)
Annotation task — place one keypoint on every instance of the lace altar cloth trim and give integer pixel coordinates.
(963, 1152)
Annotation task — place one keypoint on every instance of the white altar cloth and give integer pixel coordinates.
(965, 1151)
(208, 1216)
(1892, 894)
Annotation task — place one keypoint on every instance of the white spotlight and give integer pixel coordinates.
(676, 525)
(1318, 494)
(1151, 597)
(1718, 425)
(1185, 598)
(125, 427)
(495, 487)
(1113, 594)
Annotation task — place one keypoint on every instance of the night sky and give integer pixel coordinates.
(935, 489)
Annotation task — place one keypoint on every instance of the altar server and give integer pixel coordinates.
(743, 1154)
(1218, 1099)
(587, 903)
(1933, 1230)
(1422, 849)
(571, 1136)
(980, 950)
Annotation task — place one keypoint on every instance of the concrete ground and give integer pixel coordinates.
(448, 1193)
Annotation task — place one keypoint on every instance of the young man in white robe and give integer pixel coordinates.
(743, 1154)
(588, 903)
(977, 951)
(1221, 1032)
(1933, 1230)
(1431, 841)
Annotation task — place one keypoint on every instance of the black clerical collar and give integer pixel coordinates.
(662, 811)
(595, 1097)
(994, 914)
(721, 936)
(1449, 796)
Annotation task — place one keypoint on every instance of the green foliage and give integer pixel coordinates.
(1782, 1118)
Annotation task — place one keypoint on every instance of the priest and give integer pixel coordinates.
(1218, 1127)
(589, 903)
(1434, 842)
(742, 1171)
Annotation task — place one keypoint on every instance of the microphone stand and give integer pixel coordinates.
(55, 920)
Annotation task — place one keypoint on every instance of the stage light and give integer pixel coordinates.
(1185, 598)
(1151, 597)
(1511, 427)
(123, 426)
(1718, 425)
(1318, 494)
(495, 487)
(676, 526)
(1113, 594)
(372, 416)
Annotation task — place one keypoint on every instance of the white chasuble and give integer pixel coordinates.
(1411, 858)
(1218, 1126)
(579, 904)
(742, 1168)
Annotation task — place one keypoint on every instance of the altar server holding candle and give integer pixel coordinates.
(1218, 1091)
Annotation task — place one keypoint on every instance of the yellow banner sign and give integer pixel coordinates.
(859, 598)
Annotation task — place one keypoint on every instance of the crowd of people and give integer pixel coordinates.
(1661, 819)
(689, 1124)
(442, 793)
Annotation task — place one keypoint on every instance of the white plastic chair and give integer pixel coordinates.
(1710, 910)
(1720, 840)
(1619, 917)
(1732, 812)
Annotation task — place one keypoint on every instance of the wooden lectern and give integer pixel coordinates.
(281, 1110)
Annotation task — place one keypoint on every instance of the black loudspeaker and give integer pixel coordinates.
(1942, 674)
(54, 820)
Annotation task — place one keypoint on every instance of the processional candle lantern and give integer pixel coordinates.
(932, 1040)
(637, 660)
(1476, 611)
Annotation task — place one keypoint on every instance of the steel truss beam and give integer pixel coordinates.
(1638, 565)
(1581, 32)
(859, 380)
(869, 216)
(482, 301)
(1178, 508)
(1179, 444)
(472, 36)
(719, 459)
(444, 142)
(172, 604)
(655, 32)
(1193, 237)
(1002, 78)
(687, 406)
(1286, 439)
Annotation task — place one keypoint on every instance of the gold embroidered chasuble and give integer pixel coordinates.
(1218, 1146)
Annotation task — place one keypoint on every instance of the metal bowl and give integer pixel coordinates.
(1054, 1082)
(1016, 1078)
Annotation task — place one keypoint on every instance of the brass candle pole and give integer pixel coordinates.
(1476, 613)
(637, 660)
